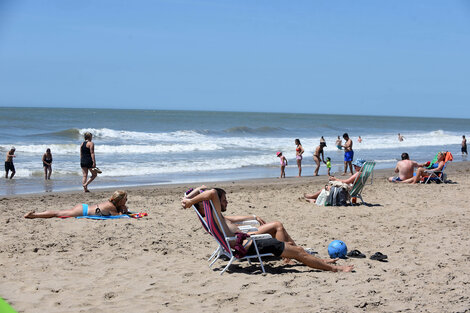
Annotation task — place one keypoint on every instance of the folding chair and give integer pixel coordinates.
(213, 222)
(219, 251)
(438, 176)
(360, 181)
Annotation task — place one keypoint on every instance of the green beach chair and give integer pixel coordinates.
(366, 171)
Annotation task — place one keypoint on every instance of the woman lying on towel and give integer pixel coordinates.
(115, 206)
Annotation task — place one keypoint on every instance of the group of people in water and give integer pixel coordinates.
(87, 162)
(319, 155)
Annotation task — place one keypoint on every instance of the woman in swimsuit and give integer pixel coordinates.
(316, 156)
(115, 206)
(298, 155)
(47, 164)
(87, 160)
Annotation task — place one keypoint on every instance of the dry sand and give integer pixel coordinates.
(158, 263)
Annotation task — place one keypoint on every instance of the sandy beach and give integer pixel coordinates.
(158, 263)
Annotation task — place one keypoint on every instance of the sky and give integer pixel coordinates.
(399, 58)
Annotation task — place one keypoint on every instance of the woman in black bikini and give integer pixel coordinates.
(47, 164)
(87, 160)
(115, 206)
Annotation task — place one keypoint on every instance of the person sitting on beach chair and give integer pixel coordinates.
(350, 180)
(435, 167)
(115, 206)
(271, 245)
(275, 229)
(404, 168)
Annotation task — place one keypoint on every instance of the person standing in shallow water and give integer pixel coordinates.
(47, 164)
(9, 166)
(464, 146)
(87, 160)
(298, 155)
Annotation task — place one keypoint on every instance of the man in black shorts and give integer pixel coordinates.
(9, 166)
(274, 246)
(464, 146)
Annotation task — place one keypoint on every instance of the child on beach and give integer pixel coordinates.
(9, 166)
(328, 165)
(283, 161)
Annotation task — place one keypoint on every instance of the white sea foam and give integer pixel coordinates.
(176, 136)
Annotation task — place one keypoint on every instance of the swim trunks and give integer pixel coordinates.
(9, 166)
(298, 157)
(348, 156)
(339, 147)
(396, 179)
(84, 209)
(464, 149)
(269, 245)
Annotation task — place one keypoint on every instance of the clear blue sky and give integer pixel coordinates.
(373, 57)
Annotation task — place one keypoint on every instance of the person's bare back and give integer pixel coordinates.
(405, 168)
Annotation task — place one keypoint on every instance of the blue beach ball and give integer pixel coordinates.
(337, 249)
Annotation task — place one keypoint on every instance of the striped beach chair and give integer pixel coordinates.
(358, 185)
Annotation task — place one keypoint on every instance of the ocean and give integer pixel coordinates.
(149, 147)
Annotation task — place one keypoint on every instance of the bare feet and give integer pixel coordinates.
(288, 261)
(29, 215)
(85, 189)
(344, 174)
(344, 268)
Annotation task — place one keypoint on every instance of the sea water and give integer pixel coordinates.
(146, 147)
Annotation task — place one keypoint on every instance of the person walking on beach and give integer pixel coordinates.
(47, 164)
(316, 156)
(87, 160)
(298, 155)
(283, 161)
(464, 145)
(339, 143)
(9, 166)
(400, 137)
(116, 205)
(348, 153)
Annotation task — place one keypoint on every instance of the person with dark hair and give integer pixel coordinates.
(9, 166)
(348, 154)
(47, 164)
(404, 168)
(464, 146)
(316, 156)
(299, 150)
(271, 245)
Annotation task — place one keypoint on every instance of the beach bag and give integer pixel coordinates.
(322, 197)
(338, 196)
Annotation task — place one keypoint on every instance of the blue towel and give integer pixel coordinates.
(97, 217)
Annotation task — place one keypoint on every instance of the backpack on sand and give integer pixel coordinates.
(338, 196)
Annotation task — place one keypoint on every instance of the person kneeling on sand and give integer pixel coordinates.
(282, 249)
(436, 167)
(350, 180)
(115, 206)
(404, 168)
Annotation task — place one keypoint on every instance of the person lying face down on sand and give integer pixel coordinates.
(275, 229)
(439, 165)
(357, 167)
(404, 168)
(115, 206)
(271, 245)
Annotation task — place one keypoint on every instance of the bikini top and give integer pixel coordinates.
(298, 149)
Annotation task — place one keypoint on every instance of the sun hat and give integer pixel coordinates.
(278, 153)
(359, 162)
